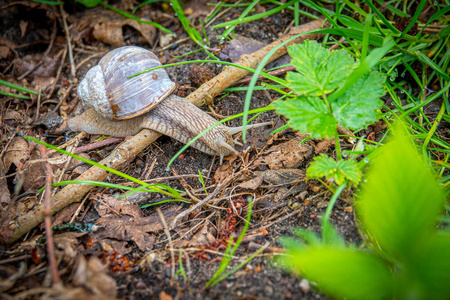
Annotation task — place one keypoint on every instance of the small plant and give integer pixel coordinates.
(406, 255)
(316, 110)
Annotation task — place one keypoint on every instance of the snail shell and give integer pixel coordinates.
(123, 106)
(110, 93)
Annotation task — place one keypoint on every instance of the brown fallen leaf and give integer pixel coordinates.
(126, 228)
(47, 68)
(196, 8)
(323, 146)
(107, 26)
(5, 195)
(283, 176)
(92, 275)
(5, 47)
(17, 116)
(289, 154)
(201, 237)
(274, 177)
(16, 151)
(109, 205)
(238, 46)
(284, 192)
(223, 172)
(43, 82)
(68, 243)
(118, 246)
(242, 45)
(252, 184)
(164, 296)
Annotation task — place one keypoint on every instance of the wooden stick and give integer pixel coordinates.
(129, 149)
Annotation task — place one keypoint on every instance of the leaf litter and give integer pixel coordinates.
(123, 231)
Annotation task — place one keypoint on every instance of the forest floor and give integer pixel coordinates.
(136, 252)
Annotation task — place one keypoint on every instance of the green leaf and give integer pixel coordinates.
(401, 201)
(330, 235)
(343, 273)
(319, 71)
(356, 108)
(309, 238)
(430, 275)
(308, 115)
(337, 171)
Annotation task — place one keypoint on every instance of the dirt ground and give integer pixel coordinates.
(137, 258)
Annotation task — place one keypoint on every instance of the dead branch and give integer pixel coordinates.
(128, 150)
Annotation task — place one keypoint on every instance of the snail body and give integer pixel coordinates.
(123, 106)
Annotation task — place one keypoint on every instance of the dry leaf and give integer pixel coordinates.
(223, 172)
(17, 116)
(110, 205)
(252, 184)
(68, 243)
(282, 177)
(5, 47)
(323, 146)
(23, 27)
(93, 276)
(47, 69)
(107, 27)
(5, 195)
(201, 237)
(16, 151)
(127, 228)
(164, 296)
(238, 46)
(289, 154)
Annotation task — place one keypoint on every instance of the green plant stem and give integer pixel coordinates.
(333, 200)
(337, 146)
(433, 129)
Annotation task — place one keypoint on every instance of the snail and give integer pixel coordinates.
(123, 106)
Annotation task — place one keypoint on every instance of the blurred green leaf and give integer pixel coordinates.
(346, 273)
(401, 200)
(428, 276)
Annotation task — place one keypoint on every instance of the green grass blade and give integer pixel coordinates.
(14, 95)
(130, 16)
(17, 87)
(92, 163)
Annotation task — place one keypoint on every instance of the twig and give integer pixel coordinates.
(38, 106)
(79, 208)
(129, 149)
(58, 74)
(48, 218)
(81, 63)
(209, 90)
(97, 145)
(69, 44)
(216, 191)
(172, 254)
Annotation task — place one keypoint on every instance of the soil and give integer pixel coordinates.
(28, 27)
